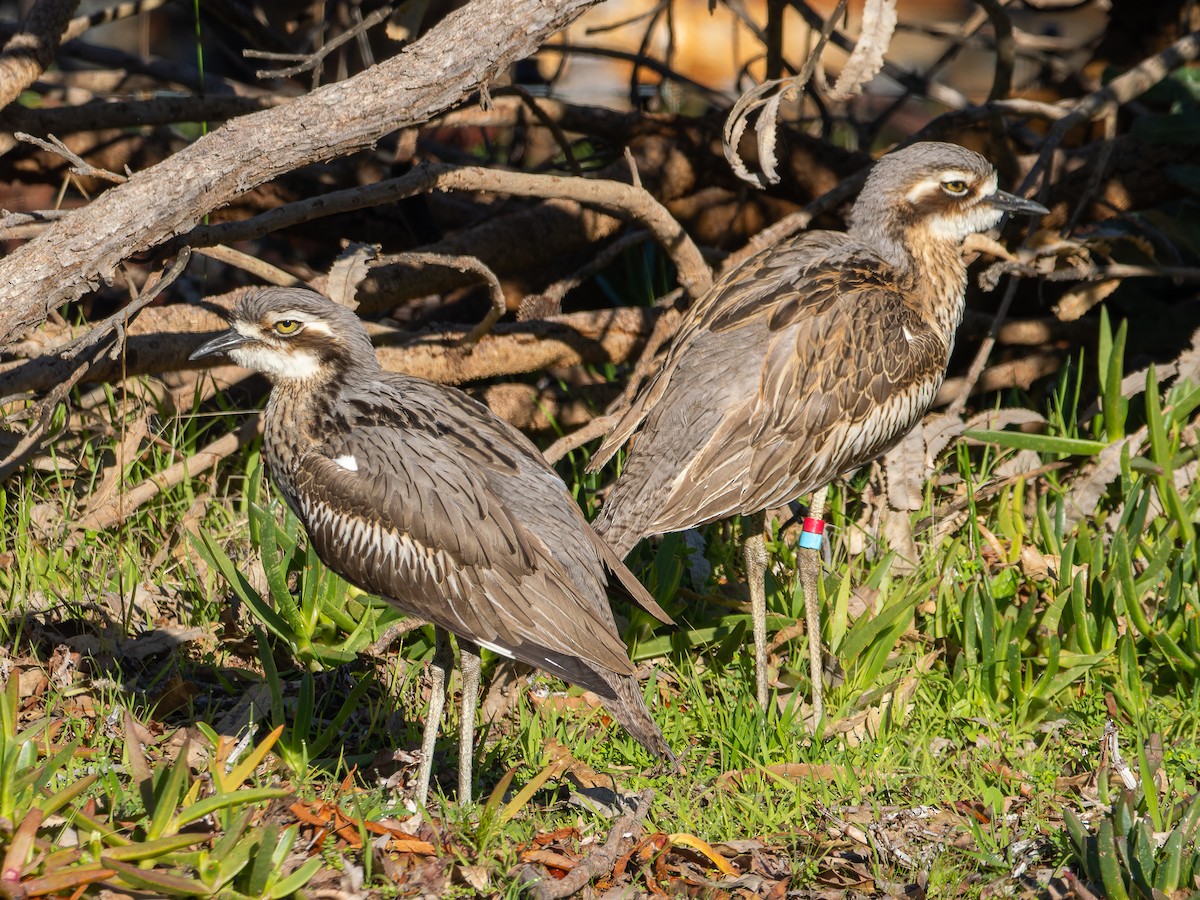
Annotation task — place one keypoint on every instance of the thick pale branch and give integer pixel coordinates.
(466, 49)
(161, 339)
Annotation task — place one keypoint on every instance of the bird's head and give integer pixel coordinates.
(292, 334)
(933, 191)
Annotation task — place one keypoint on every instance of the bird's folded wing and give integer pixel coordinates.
(742, 296)
(397, 512)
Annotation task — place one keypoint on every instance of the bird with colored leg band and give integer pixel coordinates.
(811, 532)
(807, 360)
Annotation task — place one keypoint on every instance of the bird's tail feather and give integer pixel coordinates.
(624, 700)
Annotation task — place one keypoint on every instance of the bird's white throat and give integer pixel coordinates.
(279, 365)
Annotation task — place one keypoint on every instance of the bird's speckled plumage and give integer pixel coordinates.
(419, 494)
(809, 359)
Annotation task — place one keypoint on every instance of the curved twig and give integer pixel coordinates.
(601, 861)
(611, 196)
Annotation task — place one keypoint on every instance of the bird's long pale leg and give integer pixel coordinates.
(810, 571)
(470, 665)
(443, 661)
(755, 550)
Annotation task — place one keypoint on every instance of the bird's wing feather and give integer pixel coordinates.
(754, 406)
(534, 494)
(430, 533)
(738, 295)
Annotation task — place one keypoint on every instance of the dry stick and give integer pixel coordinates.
(941, 93)
(1001, 79)
(18, 226)
(78, 166)
(308, 61)
(1020, 373)
(959, 37)
(560, 136)
(165, 336)
(252, 264)
(598, 862)
(95, 342)
(1099, 170)
(164, 70)
(597, 427)
(30, 50)
(992, 274)
(611, 196)
(156, 484)
(1120, 90)
(549, 301)
(463, 264)
(80, 24)
(102, 114)
(634, 70)
(642, 61)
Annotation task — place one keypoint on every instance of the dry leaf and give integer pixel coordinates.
(757, 99)
(1036, 566)
(1094, 479)
(1079, 300)
(1187, 366)
(1021, 461)
(701, 846)
(348, 272)
(904, 472)
(878, 25)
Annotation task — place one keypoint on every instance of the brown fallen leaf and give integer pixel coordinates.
(551, 859)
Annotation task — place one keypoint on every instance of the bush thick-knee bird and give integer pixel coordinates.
(809, 359)
(420, 494)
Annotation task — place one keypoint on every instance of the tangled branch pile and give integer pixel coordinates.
(413, 165)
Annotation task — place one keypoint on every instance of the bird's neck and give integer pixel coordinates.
(298, 417)
(943, 273)
(935, 274)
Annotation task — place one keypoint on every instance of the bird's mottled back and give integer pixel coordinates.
(811, 357)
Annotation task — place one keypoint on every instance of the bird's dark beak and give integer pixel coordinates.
(1013, 203)
(222, 343)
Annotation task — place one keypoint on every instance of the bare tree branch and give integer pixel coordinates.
(465, 50)
(30, 50)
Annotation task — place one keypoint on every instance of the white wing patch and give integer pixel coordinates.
(350, 464)
(495, 648)
(907, 334)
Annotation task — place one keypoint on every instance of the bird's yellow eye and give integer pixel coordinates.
(287, 326)
(954, 187)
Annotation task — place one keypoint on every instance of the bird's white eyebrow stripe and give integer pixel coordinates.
(957, 175)
(928, 185)
(347, 462)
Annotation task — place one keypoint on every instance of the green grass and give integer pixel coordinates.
(973, 695)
